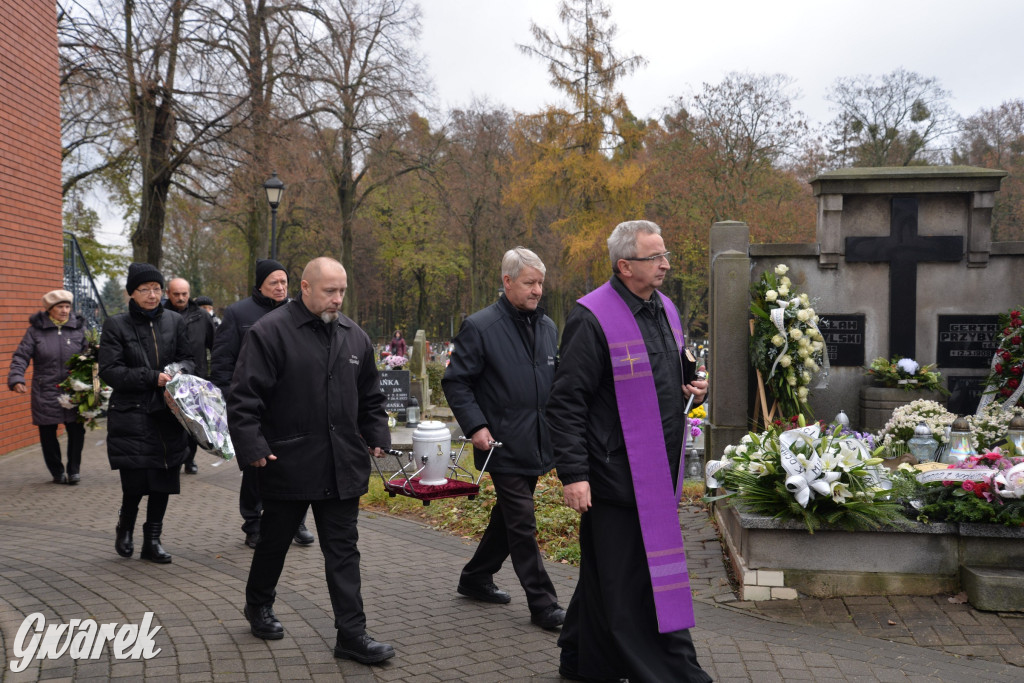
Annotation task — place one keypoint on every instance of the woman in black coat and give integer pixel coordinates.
(55, 334)
(145, 442)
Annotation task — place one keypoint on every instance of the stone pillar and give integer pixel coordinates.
(830, 218)
(979, 229)
(418, 368)
(728, 314)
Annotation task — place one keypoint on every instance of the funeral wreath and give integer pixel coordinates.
(786, 345)
(820, 478)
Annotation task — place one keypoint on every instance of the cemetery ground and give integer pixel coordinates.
(57, 559)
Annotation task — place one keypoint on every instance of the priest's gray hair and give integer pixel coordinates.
(622, 243)
(517, 258)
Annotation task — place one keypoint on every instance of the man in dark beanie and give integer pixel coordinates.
(269, 292)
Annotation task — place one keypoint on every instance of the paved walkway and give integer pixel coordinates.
(57, 558)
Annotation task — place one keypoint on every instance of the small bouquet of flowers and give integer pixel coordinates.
(83, 389)
(899, 429)
(394, 362)
(786, 345)
(819, 478)
(906, 374)
(989, 426)
(199, 406)
(987, 487)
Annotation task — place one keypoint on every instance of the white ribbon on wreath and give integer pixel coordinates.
(1006, 483)
(778, 318)
(988, 397)
(805, 481)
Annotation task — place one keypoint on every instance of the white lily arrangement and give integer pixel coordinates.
(819, 478)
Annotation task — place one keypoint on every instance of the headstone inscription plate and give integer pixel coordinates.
(844, 339)
(966, 341)
(965, 393)
(395, 386)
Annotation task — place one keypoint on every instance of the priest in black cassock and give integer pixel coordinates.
(616, 416)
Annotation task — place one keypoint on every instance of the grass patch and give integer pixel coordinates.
(557, 526)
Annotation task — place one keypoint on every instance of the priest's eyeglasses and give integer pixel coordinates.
(653, 257)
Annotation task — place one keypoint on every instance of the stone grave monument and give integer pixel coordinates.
(904, 264)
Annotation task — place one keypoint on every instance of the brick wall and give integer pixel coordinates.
(30, 197)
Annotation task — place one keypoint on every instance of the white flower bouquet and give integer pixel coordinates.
(990, 425)
(83, 390)
(803, 474)
(786, 345)
(199, 406)
(899, 429)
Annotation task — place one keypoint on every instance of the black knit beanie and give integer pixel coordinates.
(140, 273)
(264, 267)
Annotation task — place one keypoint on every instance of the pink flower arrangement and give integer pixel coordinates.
(992, 463)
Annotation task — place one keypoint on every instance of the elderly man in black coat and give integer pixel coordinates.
(304, 407)
(269, 292)
(200, 336)
(496, 384)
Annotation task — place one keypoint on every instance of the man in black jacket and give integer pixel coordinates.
(305, 403)
(200, 335)
(269, 292)
(497, 384)
(617, 625)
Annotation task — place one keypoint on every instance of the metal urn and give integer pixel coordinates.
(431, 450)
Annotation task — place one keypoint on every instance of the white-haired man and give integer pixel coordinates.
(616, 415)
(497, 383)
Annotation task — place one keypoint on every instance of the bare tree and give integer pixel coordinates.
(470, 185)
(898, 119)
(358, 83)
(994, 138)
(146, 53)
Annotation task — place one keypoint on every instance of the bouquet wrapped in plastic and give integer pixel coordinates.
(199, 406)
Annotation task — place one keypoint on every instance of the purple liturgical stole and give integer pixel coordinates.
(640, 415)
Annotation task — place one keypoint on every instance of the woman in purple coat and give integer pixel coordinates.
(54, 335)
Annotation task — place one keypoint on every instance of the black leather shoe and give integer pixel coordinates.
(302, 535)
(550, 617)
(252, 539)
(191, 468)
(74, 479)
(363, 649)
(569, 674)
(263, 623)
(60, 479)
(486, 592)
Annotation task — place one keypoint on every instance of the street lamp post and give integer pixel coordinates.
(274, 189)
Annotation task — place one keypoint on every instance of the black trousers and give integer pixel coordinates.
(336, 530)
(512, 531)
(193, 446)
(249, 503)
(51, 447)
(611, 627)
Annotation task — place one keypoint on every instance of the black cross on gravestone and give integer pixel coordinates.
(903, 249)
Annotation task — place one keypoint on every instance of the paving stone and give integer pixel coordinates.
(409, 575)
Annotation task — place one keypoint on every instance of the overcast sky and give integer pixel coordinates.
(974, 48)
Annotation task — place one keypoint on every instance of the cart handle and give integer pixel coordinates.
(494, 444)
